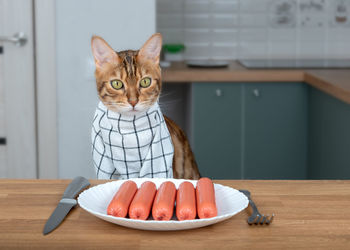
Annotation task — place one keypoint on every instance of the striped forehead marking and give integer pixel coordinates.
(129, 62)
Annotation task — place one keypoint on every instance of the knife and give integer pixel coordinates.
(67, 202)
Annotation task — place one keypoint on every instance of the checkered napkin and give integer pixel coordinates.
(126, 147)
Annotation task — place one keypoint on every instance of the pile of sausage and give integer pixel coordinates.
(190, 202)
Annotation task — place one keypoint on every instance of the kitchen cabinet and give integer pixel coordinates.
(250, 130)
(275, 130)
(329, 137)
(217, 127)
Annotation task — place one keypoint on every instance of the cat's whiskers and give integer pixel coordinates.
(147, 103)
(169, 105)
(162, 103)
(166, 94)
(115, 103)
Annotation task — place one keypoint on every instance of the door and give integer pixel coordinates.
(275, 131)
(17, 92)
(329, 136)
(217, 129)
(3, 162)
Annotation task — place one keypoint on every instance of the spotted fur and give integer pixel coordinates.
(130, 66)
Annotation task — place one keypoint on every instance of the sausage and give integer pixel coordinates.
(140, 206)
(119, 205)
(163, 205)
(186, 202)
(206, 206)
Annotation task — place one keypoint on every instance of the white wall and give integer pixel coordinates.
(125, 25)
(240, 29)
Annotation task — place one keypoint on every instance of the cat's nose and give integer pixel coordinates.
(133, 102)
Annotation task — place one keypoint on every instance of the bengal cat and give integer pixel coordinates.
(129, 84)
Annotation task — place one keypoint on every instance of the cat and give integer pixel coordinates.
(129, 85)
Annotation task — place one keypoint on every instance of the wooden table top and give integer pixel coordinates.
(335, 82)
(309, 215)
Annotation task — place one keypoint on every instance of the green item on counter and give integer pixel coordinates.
(173, 48)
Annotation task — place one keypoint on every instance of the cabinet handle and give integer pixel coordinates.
(218, 92)
(256, 92)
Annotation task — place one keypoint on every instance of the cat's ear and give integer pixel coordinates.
(102, 52)
(151, 49)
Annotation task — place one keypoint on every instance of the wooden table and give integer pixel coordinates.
(309, 215)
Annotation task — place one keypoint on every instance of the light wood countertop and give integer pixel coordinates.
(332, 81)
(309, 215)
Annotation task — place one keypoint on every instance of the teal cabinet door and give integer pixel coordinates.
(275, 131)
(217, 127)
(329, 137)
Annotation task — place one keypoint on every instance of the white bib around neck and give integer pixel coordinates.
(126, 147)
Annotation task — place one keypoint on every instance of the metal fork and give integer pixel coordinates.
(256, 217)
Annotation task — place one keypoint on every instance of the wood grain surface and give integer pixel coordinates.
(309, 215)
(335, 82)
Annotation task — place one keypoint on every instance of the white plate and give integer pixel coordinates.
(95, 200)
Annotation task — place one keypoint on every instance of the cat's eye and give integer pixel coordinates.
(117, 84)
(145, 82)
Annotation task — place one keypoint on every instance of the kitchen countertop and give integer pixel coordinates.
(335, 82)
(309, 215)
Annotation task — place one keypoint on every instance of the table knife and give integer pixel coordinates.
(67, 202)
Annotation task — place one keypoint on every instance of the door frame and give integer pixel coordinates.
(46, 88)
(19, 92)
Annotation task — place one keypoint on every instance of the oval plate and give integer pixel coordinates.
(95, 200)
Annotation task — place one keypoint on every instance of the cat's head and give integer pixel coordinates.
(128, 82)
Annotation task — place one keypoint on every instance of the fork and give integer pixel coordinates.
(256, 217)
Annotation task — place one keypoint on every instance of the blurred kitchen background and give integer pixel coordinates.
(261, 87)
(253, 29)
